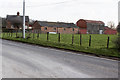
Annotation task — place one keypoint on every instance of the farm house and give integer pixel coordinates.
(90, 26)
(16, 21)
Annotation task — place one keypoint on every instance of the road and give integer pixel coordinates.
(28, 61)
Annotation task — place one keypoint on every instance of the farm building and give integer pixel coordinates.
(57, 27)
(110, 31)
(16, 21)
(90, 26)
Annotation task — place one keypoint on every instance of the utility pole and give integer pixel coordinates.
(24, 19)
(118, 12)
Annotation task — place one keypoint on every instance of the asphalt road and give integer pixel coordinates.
(27, 61)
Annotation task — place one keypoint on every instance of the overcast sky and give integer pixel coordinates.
(63, 10)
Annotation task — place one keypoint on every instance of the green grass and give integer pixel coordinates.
(98, 43)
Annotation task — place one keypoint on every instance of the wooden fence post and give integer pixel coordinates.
(16, 33)
(59, 37)
(11, 33)
(3, 33)
(33, 34)
(72, 39)
(108, 42)
(7, 32)
(90, 41)
(80, 39)
(47, 36)
(38, 34)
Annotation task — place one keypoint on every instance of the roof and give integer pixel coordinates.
(16, 19)
(107, 28)
(94, 21)
(57, 24)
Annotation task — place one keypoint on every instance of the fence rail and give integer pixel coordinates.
(96, 41)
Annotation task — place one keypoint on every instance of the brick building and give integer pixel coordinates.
(57, 27)
(110, 31)
(90, 26)
(16, 21)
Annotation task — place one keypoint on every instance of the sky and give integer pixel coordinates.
(63, 10)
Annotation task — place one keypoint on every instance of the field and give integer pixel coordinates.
(98, 42)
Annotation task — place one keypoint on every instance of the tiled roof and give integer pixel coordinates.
(106, 28)
(57, 24)
(16, 19)
(94, 21)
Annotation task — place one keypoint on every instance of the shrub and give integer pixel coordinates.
(118, 43)
(118, 28)
(118, 39)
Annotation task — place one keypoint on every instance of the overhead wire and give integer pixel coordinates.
(52, 4)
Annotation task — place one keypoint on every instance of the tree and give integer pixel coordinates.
(111, 24)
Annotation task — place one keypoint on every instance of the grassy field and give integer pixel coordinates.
(98, 42)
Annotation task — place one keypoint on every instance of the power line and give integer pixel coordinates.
(52, 4)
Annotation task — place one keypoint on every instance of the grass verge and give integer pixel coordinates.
(101, 52)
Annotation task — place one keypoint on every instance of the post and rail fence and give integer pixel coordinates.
(14, 33)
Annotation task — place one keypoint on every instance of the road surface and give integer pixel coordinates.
(28, 61)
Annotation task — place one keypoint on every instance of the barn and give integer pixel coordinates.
(57, 27)
(90, 26)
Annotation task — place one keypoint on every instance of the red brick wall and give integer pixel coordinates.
(82, 24)
(110, 31)
(82, 31)
(36, 25)
(59, 30)
(9, 25)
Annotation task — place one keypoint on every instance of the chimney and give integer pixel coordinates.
(18, 14)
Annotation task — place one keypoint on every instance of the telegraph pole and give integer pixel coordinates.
(118, 12)
(24, 19)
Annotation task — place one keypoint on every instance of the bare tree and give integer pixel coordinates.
(111, 24)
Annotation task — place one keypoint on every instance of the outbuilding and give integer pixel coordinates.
(110, 31)
(56, 27)
(90, 26)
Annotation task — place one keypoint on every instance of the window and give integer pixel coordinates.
(54, 29)
(45, 28)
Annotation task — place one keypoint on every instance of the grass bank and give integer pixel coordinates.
(98, 43)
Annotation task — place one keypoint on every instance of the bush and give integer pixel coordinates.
(118, 43)
(118, 28)
(118, 39)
